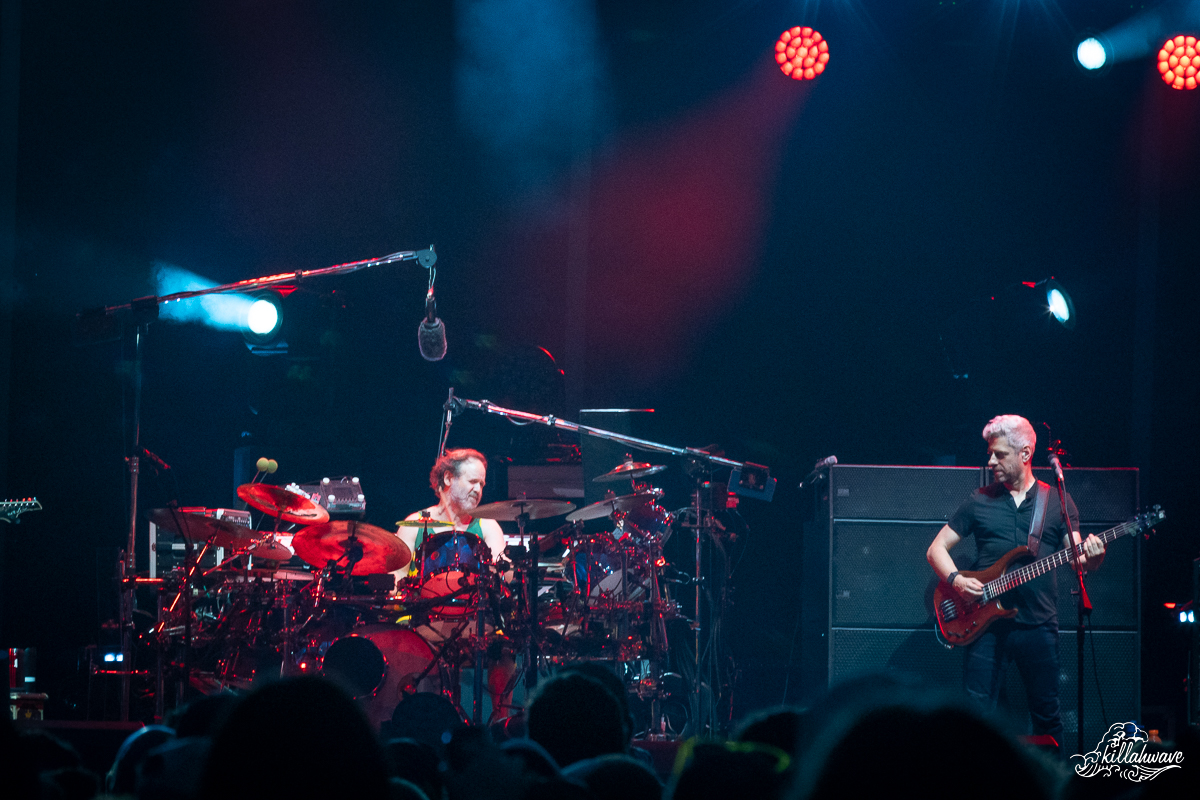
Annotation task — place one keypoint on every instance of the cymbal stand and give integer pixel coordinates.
(480, 660)
(533, 554)
(701, 521)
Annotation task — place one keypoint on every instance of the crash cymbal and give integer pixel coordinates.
(509, 510)
(279, 502)
(270, 549)
(382, 550)
(603, 508)
(629, 470)
(198, 529)
(422, 522)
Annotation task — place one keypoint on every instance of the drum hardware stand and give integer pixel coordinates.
(701, 521)
(533, 552)
(191, 563)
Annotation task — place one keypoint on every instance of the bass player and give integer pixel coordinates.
(1002, 516)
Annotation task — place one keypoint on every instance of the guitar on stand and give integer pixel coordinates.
(961, 620)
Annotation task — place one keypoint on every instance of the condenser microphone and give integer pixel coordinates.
(431, 333)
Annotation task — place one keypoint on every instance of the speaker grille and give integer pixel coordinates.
(859, 651)
(880, 575)
(1113, 588)
(1101, 495)
(901, 493)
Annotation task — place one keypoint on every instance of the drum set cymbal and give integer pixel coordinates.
(269, 549)
(285, 505)
(511, 510)
(424, 522)
(608, 506)
(197, 529)
(629, 470)
(382, 551)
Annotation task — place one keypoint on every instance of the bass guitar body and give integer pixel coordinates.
(962, 618)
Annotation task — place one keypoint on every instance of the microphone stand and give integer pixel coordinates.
(1084, 604)
(115, 322)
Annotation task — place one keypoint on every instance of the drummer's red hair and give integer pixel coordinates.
(449, 464)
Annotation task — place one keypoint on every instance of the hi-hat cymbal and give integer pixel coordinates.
(629, 470)
(279, 502)
(422, 522)
(382, 550)
(603, 508)
(198, 529)
(509, 510)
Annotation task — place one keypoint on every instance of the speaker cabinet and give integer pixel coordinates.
(1112, 679)
(866, 592)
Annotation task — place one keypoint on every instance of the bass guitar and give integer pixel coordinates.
(961, 618)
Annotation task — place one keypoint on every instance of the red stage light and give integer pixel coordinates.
(1178, 61)
(801, 53)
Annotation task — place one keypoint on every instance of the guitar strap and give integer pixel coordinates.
(1039, 518)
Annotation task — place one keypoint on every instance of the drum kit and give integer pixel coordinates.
(570, 595)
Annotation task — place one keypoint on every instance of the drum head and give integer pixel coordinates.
(357, 664)
(449, 562)
(381, 663)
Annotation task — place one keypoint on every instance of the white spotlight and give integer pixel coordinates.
(1091, 54)
(262, 317)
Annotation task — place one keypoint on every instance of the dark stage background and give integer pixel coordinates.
(785, 270)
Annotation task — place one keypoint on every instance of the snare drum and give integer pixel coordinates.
(378, 664)
(447, 562)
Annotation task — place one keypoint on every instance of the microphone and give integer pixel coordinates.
(431, 333)
(818, 471)
(1054, 462)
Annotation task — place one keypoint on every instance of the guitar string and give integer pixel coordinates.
(1011, 580)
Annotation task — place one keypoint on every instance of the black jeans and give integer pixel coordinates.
(1035, 651)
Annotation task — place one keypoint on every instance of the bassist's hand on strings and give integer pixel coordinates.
(970, 587)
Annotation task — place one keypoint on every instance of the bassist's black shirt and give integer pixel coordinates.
(991, 515)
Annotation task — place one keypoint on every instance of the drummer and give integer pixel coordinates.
(458, 478)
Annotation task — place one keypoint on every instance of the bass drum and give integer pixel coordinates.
(378, 664)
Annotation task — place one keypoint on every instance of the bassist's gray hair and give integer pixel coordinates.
(1016, 429)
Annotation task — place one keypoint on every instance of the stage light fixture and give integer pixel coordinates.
(1091, 54)
(1178, 60)
(263, 323)
(1059, 303)
(262, 318)
(801, 53)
